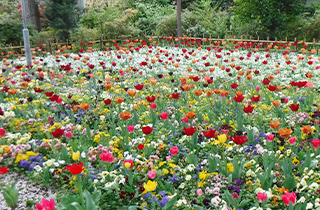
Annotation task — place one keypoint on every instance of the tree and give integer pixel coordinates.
(63, 16)
(272, 15)
(179, 27)
(33, 14)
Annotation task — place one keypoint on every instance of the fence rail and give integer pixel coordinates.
(52, 45)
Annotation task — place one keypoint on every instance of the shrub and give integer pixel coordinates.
(84, 35)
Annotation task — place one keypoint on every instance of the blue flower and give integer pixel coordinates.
(24, 164)
(164, 201)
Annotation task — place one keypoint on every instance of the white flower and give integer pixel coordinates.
(182, 186)
(188, 177)
(309, 206)
(314, 186)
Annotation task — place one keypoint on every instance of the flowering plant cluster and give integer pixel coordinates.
(178, 127)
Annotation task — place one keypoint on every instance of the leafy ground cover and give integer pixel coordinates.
(156, 127)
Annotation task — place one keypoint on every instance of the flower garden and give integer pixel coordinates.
(150, 125)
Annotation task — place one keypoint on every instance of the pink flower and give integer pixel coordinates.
(152, 174)
(199, 192)
(289, 197)
(107, 157)
(184, 119)
(153, 106)
(257, 88)
(224, 131)
(277, 72)
(261, 197)
(316, 143)
(270, 137)
(292, 140)
(235, 195)
(114, 63)
(2, 132)
(59, 100)
(174, 150)
(68, 134)
(46, 205)
(130, 128)
(164, 115)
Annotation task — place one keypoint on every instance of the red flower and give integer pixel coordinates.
(128, 164)
(57, 133)
(265, 62)
(272, 88)
(175, 95)
(107, 102)
(289, 197)
(210, 134)
(255, 98)
(75, 169)
(266, 81)
(54, 98)
(294, 107)
(293, 83)
(301, 83)
(49, 94)
(140, 146)
(3, 170)
(316, 143)
(248, 109)
(174, 150)
(139, 86)
(147, 130)
(234, 85)
(151, 98)
(189, 131)
(240, 140)
(196, 79)
(238, 99)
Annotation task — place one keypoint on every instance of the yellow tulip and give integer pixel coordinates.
(150, 186)
(222, 138)
(75, 156)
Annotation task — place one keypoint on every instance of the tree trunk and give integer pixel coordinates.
(179, 28)
(33, 14)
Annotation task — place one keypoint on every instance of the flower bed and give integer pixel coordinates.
(161, 127)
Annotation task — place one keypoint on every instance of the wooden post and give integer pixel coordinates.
(268, 39)
(276, 39)
(101, 42)
(286, 39)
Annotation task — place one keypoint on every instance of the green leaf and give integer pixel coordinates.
(75, 205)
(289, 182)
(89, 201)
(64, 155)
(212, 164)
(170, 204)
(196, 207)
(134, 207)
(8, 199)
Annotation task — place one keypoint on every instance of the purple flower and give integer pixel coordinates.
(164, 201)
(239, 182)
(24, 163)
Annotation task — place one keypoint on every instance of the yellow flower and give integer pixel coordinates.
(150, 186)
(165, 171)
(200, 184)
(30, 153)
(21, 157)
(203, 175)
(222, 138)
(230, 167)
(75, 156)
(295, 161)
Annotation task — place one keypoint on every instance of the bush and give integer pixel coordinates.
(45, 36)
(246, 29)
(84, 35)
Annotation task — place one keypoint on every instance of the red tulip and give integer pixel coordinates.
(289, 197)
(164, 115)
(147, 130)
(316, 143)
(238, 99)
(57, 133)
(210, 133)
(107, 102)
(3, 170)
(107, 157)
(175, 95)
(2, 132)
(128, 164)
(75, 169)
(140, 146)
(139, 86)
(49, 94)
(174, 150)
(248, 109)
(189, 131)
(151, 98)
(240, 140)
(266, 81)
(255, 98)
(294, 107)
(234, 85)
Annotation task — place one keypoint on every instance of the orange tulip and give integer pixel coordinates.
(249, 77)
(125, 115)
(241, 73)
(132, 92)
(217, 91)
(183, 80)
(306, 129)
(189, 69)
(210, 92)
(276, 103)
(186, 87)
(75, 108)
(198, 92)
(84, 106)
(153, 81)
(12, 91)
(239, 93)
(285, 132)
(224, 93)
(275, 124)
(191, 115)
(309, 75)
(119, 100)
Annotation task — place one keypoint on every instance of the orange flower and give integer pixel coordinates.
(108, 86)
(285, 132)
(84, 106)
(132, 92)
(12, 91)
(209, 92)
(224, 93)
(309, 75)
(212, 69)
(217, 91)
(276, 103)
(275, 124)
(278, 88)
(191, 115)
(306, 129)
(241, 73)
(153, 81)
(75, 108)
(239, 93)
(186, 87)
(119, 100)
(198, 92)
(189, 69)
(271, 77)
(249, 77)
(125, 115)
(183, 80)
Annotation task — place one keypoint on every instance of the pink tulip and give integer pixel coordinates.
(199, 192)
(130, 128)
(316, 143)
(174, 150)
(68, 134)
(257, 88)
(164, 115)
(184, 119)
(292, 140)
(153, 106)
(152, 174)
(261, 197)
(59, 100)
(289, 197)
(270, 137)
(2, 132)
(114, 63)
(106, 157)
(46, 205)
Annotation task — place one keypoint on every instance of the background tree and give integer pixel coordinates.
(33, 14)
(62, 15)
(272, 16)
(179, 26)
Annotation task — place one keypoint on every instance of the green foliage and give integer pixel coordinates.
(272, 15)
(10, 194)
(84, 35)
(62, 15)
